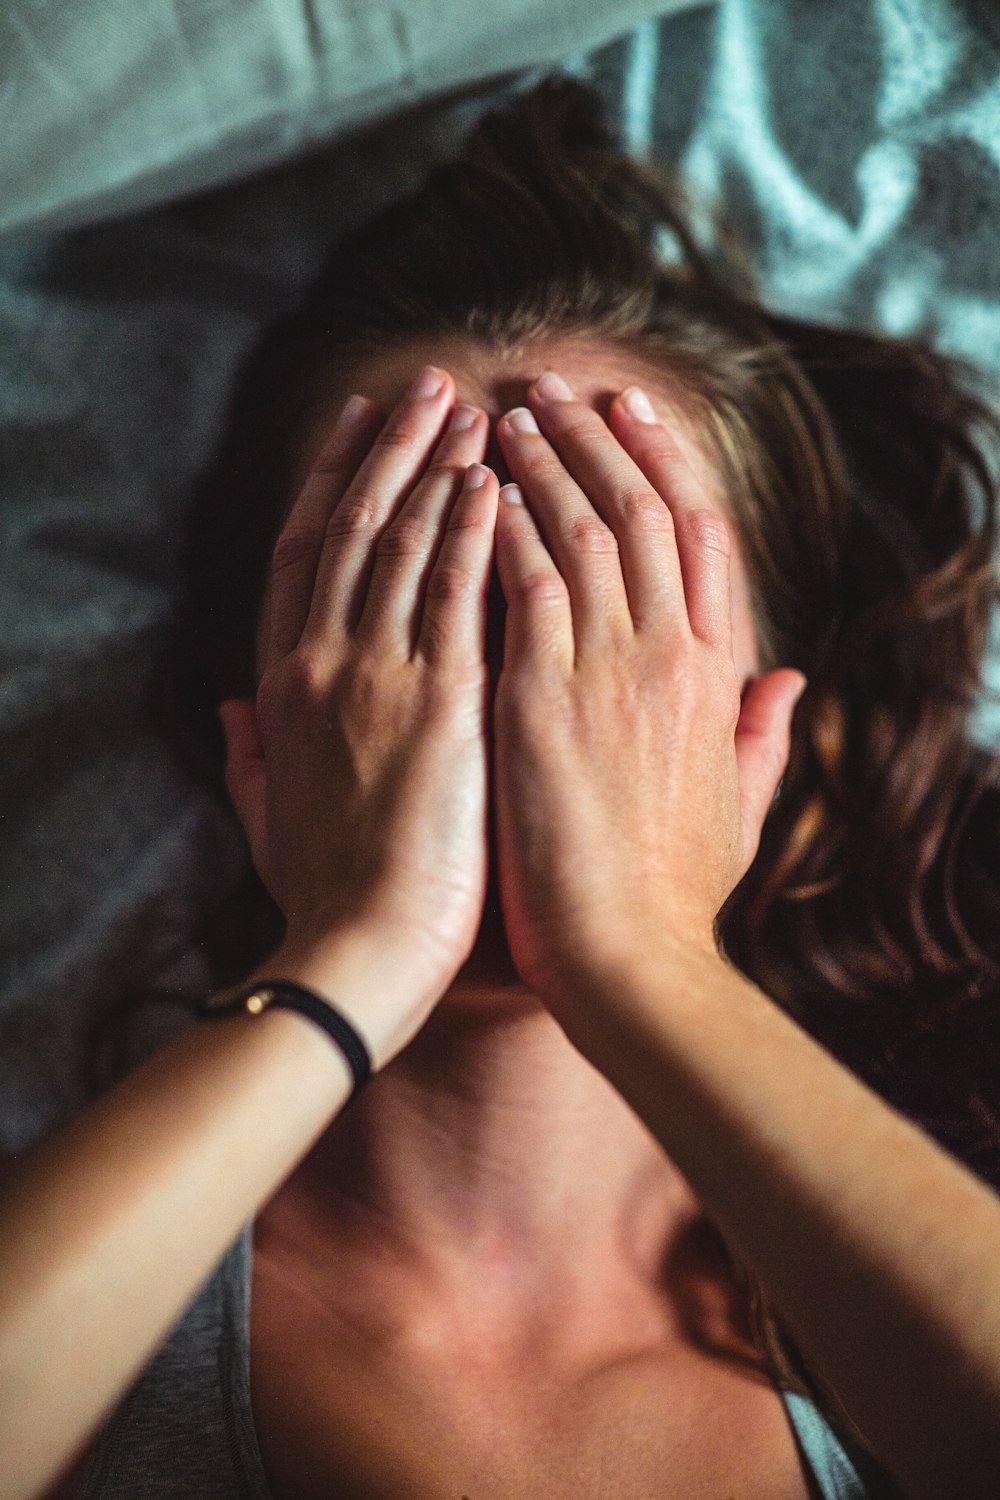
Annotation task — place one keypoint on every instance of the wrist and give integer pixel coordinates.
(355, 971)
(606, 961)
(606, 983)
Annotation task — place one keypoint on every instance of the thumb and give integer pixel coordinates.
(246, 781)
(762, 743)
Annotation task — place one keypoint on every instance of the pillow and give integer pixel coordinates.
(118, 348)
(119, 344)
(109, 106)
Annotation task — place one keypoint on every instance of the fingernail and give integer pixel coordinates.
(638, 404)
(521, 420)
(476, 476)
(462, 418)
(428, 383)
(511, 494)
(353, 410)
(552, 387)
(800, 690)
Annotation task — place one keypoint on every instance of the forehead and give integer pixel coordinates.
(496, 381)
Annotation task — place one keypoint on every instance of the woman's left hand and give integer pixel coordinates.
(631, 780)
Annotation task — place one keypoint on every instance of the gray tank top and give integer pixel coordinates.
(185, 1429)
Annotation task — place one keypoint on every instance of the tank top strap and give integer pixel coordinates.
(843, 1471)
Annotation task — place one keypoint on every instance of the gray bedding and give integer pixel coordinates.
(856, 145)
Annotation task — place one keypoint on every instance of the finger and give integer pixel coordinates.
(582, 546)
(762, 744)
(539, 625)
(406, 549)
(297, 550)
(385, 477)
(453, 627)
(245, 776)
(704, 545)
(636, 512)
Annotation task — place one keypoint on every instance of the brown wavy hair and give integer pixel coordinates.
(858, 472)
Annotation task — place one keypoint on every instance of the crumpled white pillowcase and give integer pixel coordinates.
(112, 106)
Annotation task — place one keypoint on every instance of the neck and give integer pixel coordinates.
(492, 1148)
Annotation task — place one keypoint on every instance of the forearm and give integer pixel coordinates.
(880, 1251)
(109, 1226)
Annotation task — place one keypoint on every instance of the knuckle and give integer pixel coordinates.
(644, 510)
(448, 584)
(450, 672)
(700, 680)
(445, 692)
(579, 425)
(681, 664)
(442, 472)
(470, 515)
(709, 531)
(356, 515)
(660, 448)
(690, 663)
(401, 431)
(361, 684)
(330, 462)
(303, 676)
(542, 464)
(287, 688)
(295, 547)
(541, 588)
(590, 534)
(406, 537)
(660, 443)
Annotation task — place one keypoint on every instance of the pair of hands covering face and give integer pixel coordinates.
(631, 782)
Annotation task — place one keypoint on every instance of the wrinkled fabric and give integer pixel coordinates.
(856, 148)
(109, 107)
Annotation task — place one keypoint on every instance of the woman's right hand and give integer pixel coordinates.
(360, 775)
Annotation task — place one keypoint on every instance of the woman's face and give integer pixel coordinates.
(596, 373)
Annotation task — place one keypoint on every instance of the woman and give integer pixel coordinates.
(602, 1197)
